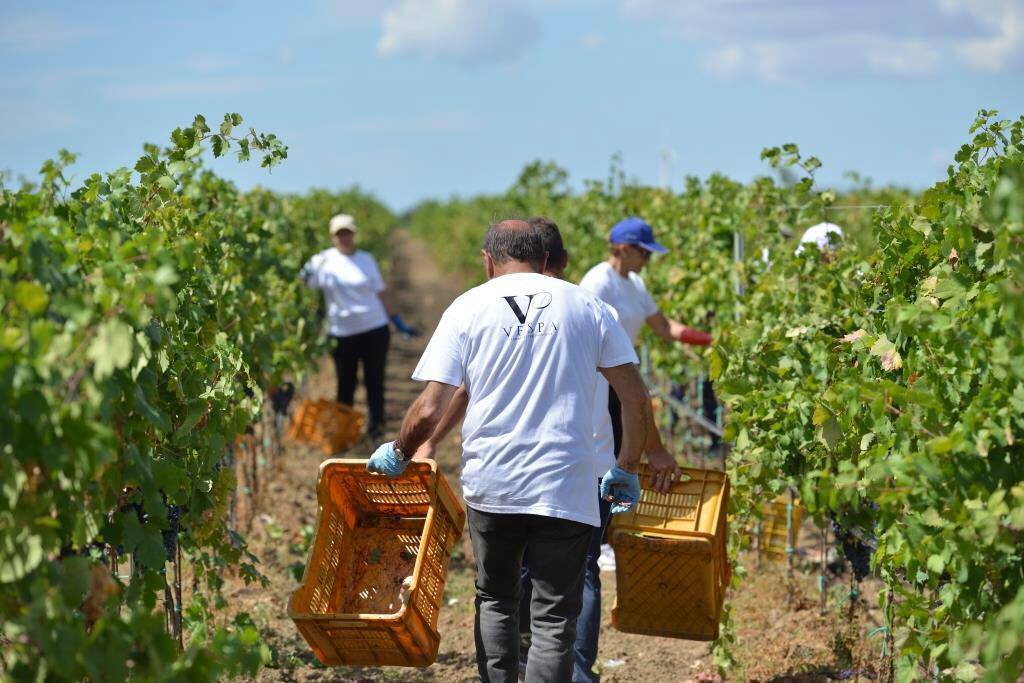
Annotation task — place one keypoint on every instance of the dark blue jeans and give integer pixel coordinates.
(588, 624)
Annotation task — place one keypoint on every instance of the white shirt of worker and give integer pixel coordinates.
(627, 295)
(527, 347)
(633, 304)
(604, 438)
(350, 285)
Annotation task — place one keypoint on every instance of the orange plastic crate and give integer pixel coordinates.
(372, 588)
(328, 425)
(671, 567)
(779, 528)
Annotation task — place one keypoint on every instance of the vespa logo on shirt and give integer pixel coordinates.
(529, 328)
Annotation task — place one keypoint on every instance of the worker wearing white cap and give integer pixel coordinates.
(822, 235)
(358, 309)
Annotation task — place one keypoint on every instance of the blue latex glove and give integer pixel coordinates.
(622, 488)
(385, 461)
(400, 325)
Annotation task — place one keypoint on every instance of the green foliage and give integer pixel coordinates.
(884, 379)
(889, 389)
(141, 316)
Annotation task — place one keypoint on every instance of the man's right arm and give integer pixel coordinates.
(453, 416)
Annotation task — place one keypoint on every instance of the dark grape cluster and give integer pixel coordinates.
(170, 534)
(857, 552)
(281, 397)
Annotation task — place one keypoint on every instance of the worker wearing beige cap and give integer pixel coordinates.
(358, 309)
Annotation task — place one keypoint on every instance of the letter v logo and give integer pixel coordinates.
(520, 315)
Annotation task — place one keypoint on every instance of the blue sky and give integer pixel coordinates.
(419, 98)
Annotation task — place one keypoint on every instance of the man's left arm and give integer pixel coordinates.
(664, 469)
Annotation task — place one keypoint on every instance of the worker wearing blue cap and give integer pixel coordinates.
(617, 282)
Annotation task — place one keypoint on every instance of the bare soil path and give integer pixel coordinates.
(775, 642)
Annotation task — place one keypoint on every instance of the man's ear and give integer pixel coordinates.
(488, 264)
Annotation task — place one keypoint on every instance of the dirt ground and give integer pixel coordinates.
(778, 638)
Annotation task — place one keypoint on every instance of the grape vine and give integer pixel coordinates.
(142, 315)
(883, 379)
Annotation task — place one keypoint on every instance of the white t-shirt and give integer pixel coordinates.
(350, 285)
(633, 304)
(527, 347)
(627, 295)
(604, 438)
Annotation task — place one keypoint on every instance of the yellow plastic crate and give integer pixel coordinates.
(671, 567)
(779, 528)
(372, 588)
(328, 425)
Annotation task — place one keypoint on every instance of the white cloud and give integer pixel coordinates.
(1003, 47)
(766, 61)
(591, 40)
(902, 58)
(37, 32)
(778, 41)
(457, 30)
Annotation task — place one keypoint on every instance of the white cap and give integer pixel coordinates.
(819, 236)
(342, 222)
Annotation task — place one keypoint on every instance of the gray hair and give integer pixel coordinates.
(514, 240)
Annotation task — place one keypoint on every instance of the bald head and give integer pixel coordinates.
(514, 240)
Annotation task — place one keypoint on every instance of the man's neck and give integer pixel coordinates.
(618, 266)
(511, 267)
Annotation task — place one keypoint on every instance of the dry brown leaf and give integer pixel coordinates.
(891, 360)
(954, 258)
(854, 336)
(101, 587)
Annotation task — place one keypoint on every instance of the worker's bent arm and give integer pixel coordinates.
(673, 330)
(663, 468)
(423, 415)
(636, 406)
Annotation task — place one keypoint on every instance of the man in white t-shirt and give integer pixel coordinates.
(588, 624)
(527, 348)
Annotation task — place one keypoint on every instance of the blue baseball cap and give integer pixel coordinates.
(633, 230)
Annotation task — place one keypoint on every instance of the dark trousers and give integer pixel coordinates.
(588, 624)
(555, 550)
(371, 348)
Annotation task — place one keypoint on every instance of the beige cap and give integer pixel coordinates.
(342, 221)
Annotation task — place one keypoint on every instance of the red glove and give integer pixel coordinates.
(694, 337)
